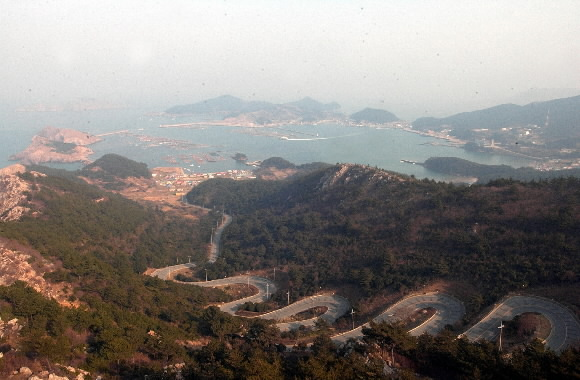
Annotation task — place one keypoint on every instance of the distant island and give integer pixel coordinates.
(234, 111)
(57, 145)
(485, 173)
(547, 133)
(82, 104)
(537, 130)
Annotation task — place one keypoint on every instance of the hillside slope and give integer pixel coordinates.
(74, 244)
(379, 230)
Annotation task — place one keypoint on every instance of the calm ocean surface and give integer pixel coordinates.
(384, 148)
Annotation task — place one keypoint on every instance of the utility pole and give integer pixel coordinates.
(267, 291)
(206, 275)
(352, 316)
(288, 293)
(500, 327)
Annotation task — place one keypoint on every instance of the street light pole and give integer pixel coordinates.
(500, 327)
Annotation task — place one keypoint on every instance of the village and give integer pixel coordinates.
(178, 181)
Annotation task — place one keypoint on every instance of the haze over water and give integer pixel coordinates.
(384, 148)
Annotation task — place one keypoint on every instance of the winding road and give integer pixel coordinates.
(448, 311)
(336, 305)
(565, 328)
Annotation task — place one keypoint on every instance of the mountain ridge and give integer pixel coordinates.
(561, 117)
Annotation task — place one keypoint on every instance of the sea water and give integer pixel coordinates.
(145, 141)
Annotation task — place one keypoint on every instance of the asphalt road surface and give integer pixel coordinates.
(165, 273)
(214, 250)
(565, 327)
(265, 288)
(448, 311)
(337, 306)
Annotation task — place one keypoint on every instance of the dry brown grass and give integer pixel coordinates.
(239, 291)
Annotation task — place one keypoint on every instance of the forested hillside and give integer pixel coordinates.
(102, 244)
(371, 229)
(115, 166)
(357, 225)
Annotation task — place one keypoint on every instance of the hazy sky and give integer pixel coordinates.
(408, 56)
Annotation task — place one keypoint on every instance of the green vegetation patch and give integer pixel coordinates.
(62, 147)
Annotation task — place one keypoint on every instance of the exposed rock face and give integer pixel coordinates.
(12, 190)
(9, 328)
(21, 263)
(57, 145)
(29, 267)
(27, 373)
(356, 174)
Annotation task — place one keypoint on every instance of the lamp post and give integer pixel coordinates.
(500, 327)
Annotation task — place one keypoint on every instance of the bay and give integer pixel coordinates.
(209, 148)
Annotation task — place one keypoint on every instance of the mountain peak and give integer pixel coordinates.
(374, 115)
(309, 104)
(355, 174)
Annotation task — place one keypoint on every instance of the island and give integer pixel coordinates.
(57, 145)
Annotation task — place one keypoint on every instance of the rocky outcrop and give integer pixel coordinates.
(9, 328)
(356, 174)
(29, 267)
(57, 145)
(12, 193)
(28, 374)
